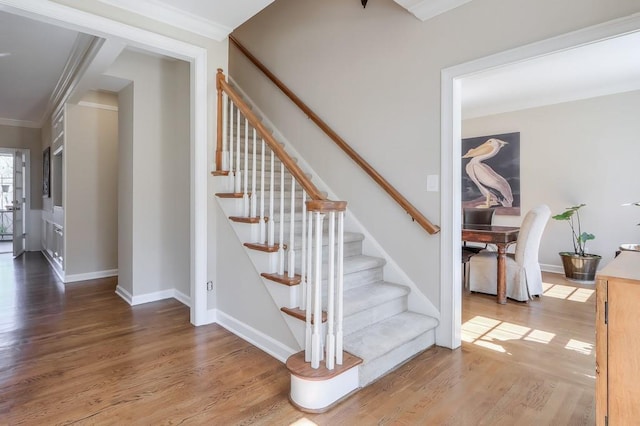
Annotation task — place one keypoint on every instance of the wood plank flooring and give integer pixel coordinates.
(78, 354)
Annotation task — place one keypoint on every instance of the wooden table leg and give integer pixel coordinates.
(502, 274)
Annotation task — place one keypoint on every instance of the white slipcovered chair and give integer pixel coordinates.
(524, 278)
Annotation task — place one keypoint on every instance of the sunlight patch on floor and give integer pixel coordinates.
(581, 295)
(540, 336)
(490, 345)
(303, 422)
(559, 291)
(578, 346)
(488, 332)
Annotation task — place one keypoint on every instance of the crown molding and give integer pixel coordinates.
(173, 16)
(427, 9)
(83, 52)
(19, 123)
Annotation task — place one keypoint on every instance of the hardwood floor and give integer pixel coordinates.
(78, 354)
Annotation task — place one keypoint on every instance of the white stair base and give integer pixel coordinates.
(319, 395)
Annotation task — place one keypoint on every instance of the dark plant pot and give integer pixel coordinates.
(580, 268)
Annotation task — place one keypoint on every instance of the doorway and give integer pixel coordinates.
(6, 202)
(451, 297)
(14, 195)
(198, 164)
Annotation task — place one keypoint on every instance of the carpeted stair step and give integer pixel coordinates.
(359, 270)
(388, 343)
(370, 303)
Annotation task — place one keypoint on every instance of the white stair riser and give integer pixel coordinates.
(371, 370)
(359, 278)
(366, 317)
(284, 295)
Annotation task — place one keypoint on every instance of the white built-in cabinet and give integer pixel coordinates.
(53, 215)
(80, 218)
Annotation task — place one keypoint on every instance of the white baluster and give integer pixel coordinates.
(281, 233)
(238, 178)
(316, 344)
(291, 261)
(303, 255)
(339, 288)
(331, 338)
(225, 131)
(263, 230)
(245, 175)
(271, 224)
(231, 175)
(254, 207)
(309, 284)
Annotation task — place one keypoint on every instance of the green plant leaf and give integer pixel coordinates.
(585, 236)
(564, 216)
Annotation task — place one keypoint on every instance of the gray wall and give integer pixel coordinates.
(374, 75)
(577, 152)
(241, 292)
(159, 174)
(125, 188)
(31, 139)
(91, 196)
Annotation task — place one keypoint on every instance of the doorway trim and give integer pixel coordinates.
(29, 222)
(449, 332)
(100, 26)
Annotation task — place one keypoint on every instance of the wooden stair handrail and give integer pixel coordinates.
(415, 214)
(302, 179)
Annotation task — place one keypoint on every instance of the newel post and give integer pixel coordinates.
(219, 152)
(332, 266)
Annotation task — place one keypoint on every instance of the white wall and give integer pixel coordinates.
(577, 152)
(241, 293)
(125, 188)
(91, 198)
(374, 75)
(159, 184)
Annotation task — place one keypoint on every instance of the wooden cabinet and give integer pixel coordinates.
(618, 341)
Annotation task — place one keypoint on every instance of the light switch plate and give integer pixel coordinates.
(433, 183)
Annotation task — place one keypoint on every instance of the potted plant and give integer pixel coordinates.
(578, 265)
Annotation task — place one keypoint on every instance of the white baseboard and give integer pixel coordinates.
(212, 316)
(182, 298)
(153, 297)
(125, 295)
(256, 338)
(552, 268)
(56, 268)
(90, 276)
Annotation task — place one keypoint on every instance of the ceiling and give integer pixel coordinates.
(33, 55)
(213, 19)
(597, 69)
(29, 67)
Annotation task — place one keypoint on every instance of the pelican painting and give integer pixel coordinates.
(494, 188)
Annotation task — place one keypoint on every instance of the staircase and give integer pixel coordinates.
(378, 330)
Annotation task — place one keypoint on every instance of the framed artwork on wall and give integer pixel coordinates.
(491, 172)
(46, 173)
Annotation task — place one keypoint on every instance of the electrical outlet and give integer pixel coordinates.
(209, 285)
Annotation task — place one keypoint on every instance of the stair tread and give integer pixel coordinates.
(361, 262)
(370, 295)
(349, 237)
(377, 339)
